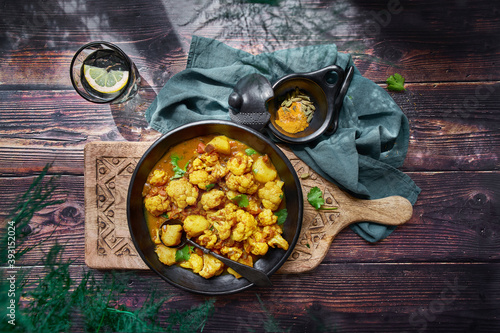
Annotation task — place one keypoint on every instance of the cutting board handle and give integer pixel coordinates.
(394, 210)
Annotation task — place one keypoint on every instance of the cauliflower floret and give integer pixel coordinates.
(159, 178)
(271, 194)
(205, 161)
(240, 164)
(243, 184)
(157, 204)
(208, 239)
(211, 266)
(266, 217)
(232, 252)
(245, 226)
(200, 178)
(195, 263)
(211, 199)
(195, 225)
(171, 234)
(217, 172)
(182, 192)
(278, 241)
(256, 244)
(207, 170)
(264, 171)
(166, 254)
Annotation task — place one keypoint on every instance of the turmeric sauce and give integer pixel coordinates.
(292, 119)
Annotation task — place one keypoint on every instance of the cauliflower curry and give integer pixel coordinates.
(228, 196)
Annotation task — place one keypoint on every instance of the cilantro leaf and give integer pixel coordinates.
(209, 187)
(184, 253)
(315, 198)
(241, 200)
(395, 82)
(178, 171)
(282, 214)
(250, 151)
(165, 215)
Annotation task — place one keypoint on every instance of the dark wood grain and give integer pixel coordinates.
(352, 298)
(439, 272)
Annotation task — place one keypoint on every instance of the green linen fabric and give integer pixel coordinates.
(362, 157)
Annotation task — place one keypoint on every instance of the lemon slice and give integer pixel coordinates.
(103, 81)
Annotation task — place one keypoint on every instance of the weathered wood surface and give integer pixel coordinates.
(439, 271)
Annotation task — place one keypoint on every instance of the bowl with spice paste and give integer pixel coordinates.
(298, 108)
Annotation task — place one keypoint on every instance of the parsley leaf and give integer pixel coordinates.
(178, 171)
(241, 200)
(315, 198)
(250, 151)
(282, 214)
(395, 82)
(184, 253)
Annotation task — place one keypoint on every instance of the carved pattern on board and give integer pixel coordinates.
(111, 172)
(315, 224)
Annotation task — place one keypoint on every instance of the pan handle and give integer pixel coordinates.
(338, 101)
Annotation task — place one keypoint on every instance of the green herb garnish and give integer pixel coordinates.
(315, 198)
(282, 214)
(395, 82)
(184, 253)
(250, 151)
(241, 200)
(209, 187)
(178, 171)
(165, 215)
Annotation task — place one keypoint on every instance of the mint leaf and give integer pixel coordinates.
(395, 82)
(241, 200)
(282, 215)
(184, 253)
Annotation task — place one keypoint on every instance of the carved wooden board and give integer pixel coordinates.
(109, 166)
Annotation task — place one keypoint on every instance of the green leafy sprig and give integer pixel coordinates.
(315, 198)
(178, 171)
(396, 82)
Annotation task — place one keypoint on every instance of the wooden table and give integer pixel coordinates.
(440, 271)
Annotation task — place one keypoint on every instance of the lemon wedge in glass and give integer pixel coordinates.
(104, 81)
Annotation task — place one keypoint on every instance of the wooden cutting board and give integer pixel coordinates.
(108, 245)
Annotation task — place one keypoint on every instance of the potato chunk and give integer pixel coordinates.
(195, 225)
(171, 234)
(166, 254)
(221, 144)
(263, 170)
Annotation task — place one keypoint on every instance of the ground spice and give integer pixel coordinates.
(292, 119)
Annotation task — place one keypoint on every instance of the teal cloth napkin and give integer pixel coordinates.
(361, 157)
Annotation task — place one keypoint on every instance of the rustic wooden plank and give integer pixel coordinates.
(455, 220)
(343, 297)
(453, 127)
(425, 42)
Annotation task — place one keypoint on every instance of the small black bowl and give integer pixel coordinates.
(326, 88)
(184, 278)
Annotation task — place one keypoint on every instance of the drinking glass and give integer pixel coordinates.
(102, 73)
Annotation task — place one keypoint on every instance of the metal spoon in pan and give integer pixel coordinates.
(257, 277)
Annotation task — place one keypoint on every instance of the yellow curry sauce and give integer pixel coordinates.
(228, 196)
(292, 119)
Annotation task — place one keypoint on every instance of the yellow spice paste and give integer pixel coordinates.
(292, 119)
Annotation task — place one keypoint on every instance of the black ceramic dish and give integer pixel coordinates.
(255, 102)
(184, 278)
